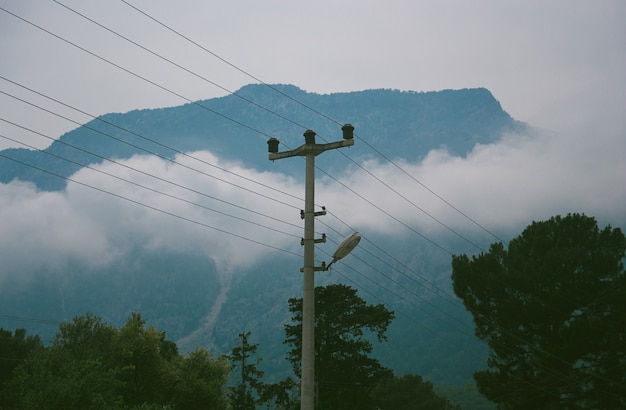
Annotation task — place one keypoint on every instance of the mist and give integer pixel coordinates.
(238, 223)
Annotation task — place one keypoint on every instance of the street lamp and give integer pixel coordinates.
(310, 150)
(345, 247)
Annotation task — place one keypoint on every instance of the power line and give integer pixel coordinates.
(130, 72)
(323, 115)
(167, 159)
(153, 189)
(154, 208)
(370, 173)
(11, 13)
(151, 152)
(133, 73)
(178, 65)
(29, 320)
(410, 228)
(388, 277)
(170, 91)
(352, 191)
(96, 131)
(434, 289)
(151, 140)
(559, 376)
(103, 158)
(395, 164)
(509, 333)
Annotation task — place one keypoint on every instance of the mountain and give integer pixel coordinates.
(199, 302)
(399, 124)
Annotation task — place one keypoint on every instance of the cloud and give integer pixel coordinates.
(42, 230)
(504, 186)
(46, 229)
(220, 216)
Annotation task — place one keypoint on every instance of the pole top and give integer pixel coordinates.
(309, 137)
(348, 131)
(272, 145)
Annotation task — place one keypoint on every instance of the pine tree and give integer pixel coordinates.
(247, 393)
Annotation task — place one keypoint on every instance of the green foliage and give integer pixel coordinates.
(551, 308)
(467, 396)
(92, 365)
(200, 381)
(14, 349)
(251, 392)
(72, 373)
(344, 372)
(280, 395)
(247, 393)
(409, 392)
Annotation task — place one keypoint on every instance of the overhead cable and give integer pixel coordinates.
(323, 115)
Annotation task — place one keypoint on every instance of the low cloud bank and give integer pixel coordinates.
(503, 186)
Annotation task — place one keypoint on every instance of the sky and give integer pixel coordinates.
(557, 65)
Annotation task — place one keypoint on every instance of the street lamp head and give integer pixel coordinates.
(345, 247)
(272, 145)
(348, 131)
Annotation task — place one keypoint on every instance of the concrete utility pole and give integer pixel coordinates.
(310, 150)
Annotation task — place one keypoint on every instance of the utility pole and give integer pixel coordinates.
(310, 150)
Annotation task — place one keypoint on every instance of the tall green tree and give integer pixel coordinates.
(345, 373)
(552, 308)
(138, 353)
(200, 382)
(249, 390)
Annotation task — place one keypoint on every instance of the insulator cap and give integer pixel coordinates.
(348, 131)
(272, 145)
(309, 137)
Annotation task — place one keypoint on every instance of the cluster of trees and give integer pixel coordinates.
(551, 308)
(93, 365)
(346, 376)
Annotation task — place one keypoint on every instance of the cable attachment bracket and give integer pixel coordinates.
(319, 240)
(322, 268)
(321, 213)
(318, 213)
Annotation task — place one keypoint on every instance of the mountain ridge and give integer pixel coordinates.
(390, 114)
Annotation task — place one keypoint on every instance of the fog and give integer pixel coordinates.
(107, 211)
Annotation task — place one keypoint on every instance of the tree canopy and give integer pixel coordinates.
(409, 392)
(93, 365)
(551, 308)
(345, 374)
(15, 347)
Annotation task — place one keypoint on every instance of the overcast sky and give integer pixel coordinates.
(553, 64)
(558, 65)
